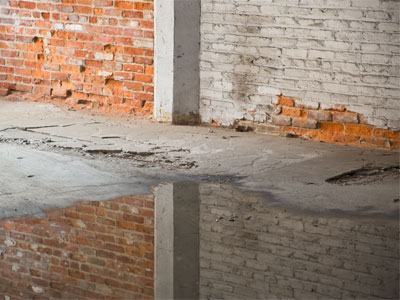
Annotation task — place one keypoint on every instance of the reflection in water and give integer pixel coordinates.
(96, 250)
(211, 241)
(256, 251)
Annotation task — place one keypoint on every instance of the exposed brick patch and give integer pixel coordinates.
(72, 50)
(82, 251)
(330, 123)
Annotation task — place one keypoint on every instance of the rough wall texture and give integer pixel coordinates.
(96, 250)
(93, 53)
(323, 55)
(267, 252)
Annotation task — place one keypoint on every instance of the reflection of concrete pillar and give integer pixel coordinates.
(186, 240)
(177, 52)
(164, 242)
(177, 263)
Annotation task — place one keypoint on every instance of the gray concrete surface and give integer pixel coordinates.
(51, 158)
(176, 60)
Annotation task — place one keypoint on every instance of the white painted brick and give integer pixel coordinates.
(307, 104)
(273, 10)
(364, 3)
(350, 13)
(74, 27)
(104, 73)
(269, 90)
(103, 56)
(295, 52)
(247, 9)
(58, 26)
(394, 124)
(320, 54)
(332, 52)
(268, 51)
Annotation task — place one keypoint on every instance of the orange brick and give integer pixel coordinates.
(333, 127)
(358, 129)
(27, 5)
(124, 4)
(386, 134)
(291, 111)
(285, 101)
(149, 106)
(149, 70)
(143, 78)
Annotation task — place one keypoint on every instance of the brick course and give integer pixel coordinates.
(96, 250)
(91, 53)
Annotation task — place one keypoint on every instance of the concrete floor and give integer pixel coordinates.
(52, 158)
(196, 212)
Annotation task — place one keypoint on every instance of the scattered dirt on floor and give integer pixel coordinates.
(165, 157)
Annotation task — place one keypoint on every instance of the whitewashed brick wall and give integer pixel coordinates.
(327, 51)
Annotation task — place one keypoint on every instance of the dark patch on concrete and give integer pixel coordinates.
(191, 118)
(366, 175)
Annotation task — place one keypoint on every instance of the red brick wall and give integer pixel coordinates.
(96, 250)
(91, 53)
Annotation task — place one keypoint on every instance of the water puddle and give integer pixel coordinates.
(202, 241)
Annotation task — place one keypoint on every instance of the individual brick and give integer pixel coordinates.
(291, 111)
(285, 101)
(319, 115)
(282, 120)
(345, 117)
(304, 123)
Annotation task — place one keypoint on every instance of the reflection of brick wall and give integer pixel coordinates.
(94, 53)
(90, 250)
(268, 253)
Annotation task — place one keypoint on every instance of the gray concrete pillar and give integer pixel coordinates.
(177, 51)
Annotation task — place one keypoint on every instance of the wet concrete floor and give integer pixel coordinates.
(213, 213)
(189, 241)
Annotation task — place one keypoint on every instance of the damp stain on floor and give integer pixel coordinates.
(191, 241)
